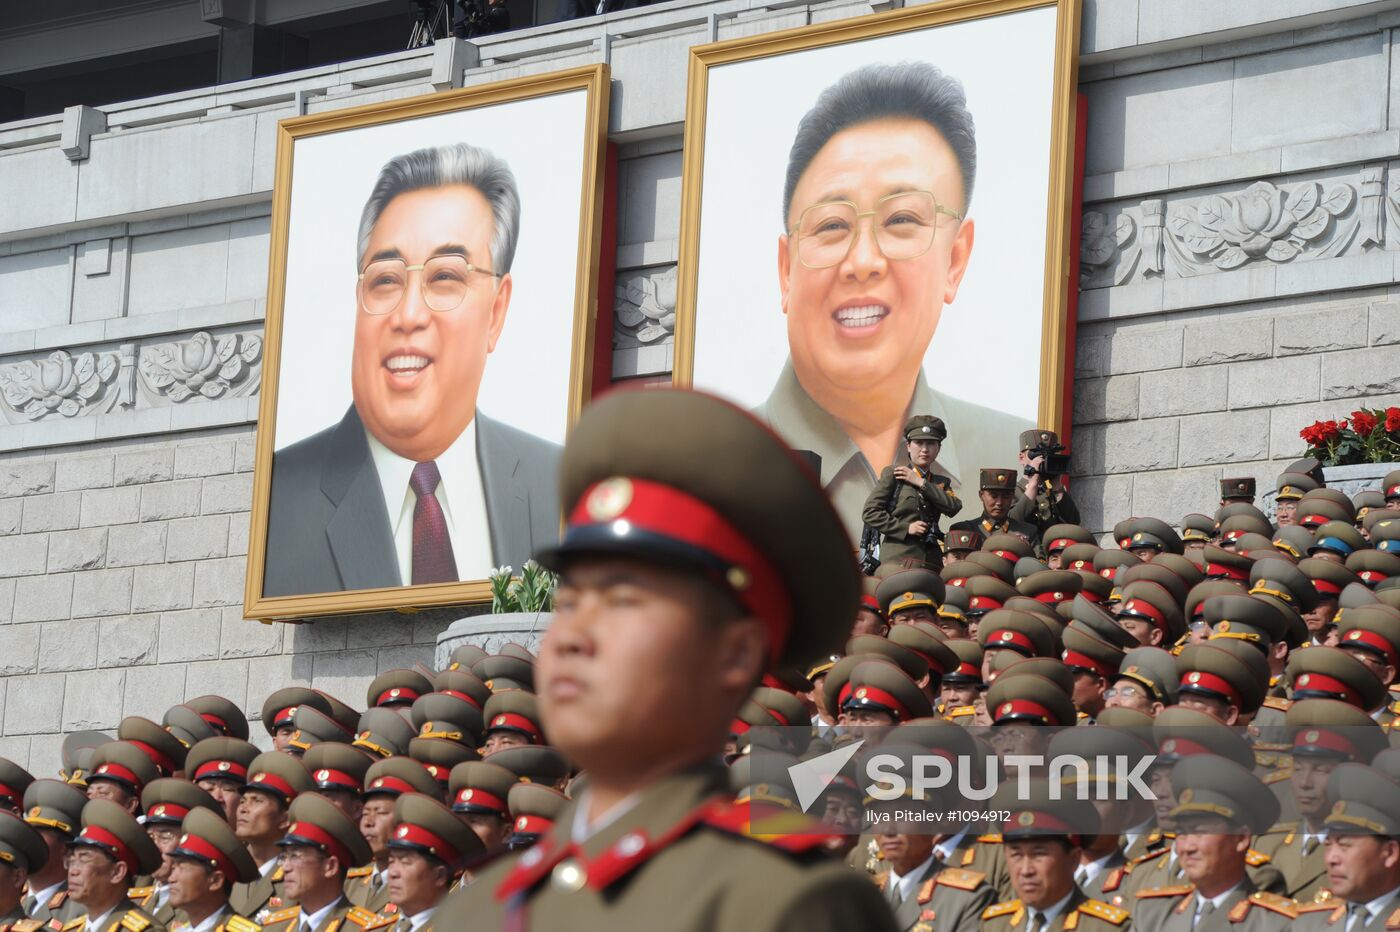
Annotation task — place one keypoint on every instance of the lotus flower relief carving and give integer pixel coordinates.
(645, 308)
(1261, 222)
(202, 365)
(60, 383)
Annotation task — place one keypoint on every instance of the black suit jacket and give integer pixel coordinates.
(328, 529)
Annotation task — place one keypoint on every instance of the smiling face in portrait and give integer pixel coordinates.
(416, 370)
(868, 318)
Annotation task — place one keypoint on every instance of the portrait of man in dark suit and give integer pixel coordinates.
(414, 484)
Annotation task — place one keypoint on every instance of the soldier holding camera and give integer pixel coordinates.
(905, 506)
(1042, 499)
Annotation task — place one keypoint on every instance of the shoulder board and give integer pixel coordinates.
(1275, 903)
(1393, 922)
(778, 828)
(135, 921)
(276, 875)
(1278, 702)
(1101, 910)
(73, 923)
(1324, 906)
(1278, 776)
(27, 925)
(880, 879)
(282, 915)
(1114, 880)
(961, 879)
(1001, 909)
(972, 710)
(1142, 858)
(1395, 706)
(1255, 858)
(969, 856)
(360, 871)
(236, 923)
(136, 893)
(993, 839)
(57, 899)
(1180, 889)
(367, 919)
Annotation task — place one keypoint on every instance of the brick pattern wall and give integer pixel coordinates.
(121, 593)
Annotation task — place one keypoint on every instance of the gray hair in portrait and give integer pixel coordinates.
(913, 90)
(441, 166)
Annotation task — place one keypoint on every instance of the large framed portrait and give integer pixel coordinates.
(430, 324)
(875, 225)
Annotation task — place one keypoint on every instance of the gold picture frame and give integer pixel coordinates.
(1059, 209)
(594, 82)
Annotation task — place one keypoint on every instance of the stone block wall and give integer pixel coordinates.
(1241, 235)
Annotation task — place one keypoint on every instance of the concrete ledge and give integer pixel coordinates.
(491, 632)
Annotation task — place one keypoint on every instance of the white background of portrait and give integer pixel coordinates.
(1006, 65)
(526, 383)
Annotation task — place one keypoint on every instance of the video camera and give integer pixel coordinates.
(1055, 463)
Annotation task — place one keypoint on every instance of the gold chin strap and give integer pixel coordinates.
(1260, 588)
(366, 743)
(451, 735)
(63, 827)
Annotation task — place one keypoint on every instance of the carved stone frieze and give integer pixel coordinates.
(64, 384)
(203, 366)
(644, 312)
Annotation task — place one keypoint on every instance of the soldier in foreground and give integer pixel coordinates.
(699, 554)
(110, 850)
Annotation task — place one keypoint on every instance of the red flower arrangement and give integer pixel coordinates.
(1370, 435)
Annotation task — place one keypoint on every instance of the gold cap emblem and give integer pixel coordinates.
(609, 498)
(1194, 678)
(323, 775)
(1026, 818)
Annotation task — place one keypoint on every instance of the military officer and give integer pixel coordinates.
(219, 767)
(723, 580)
(385, 781)
(479, 798)
(53, 809)
(960, 543)
(119, 772)
(907, 502)
(429, 850)
(205, 863)
(1042, 499)
(923, 892)
(512, 718)
(103, 857)
(279, 713)
(1146, 681)
(275, 779)
(1371, 634)
(997, 491)
(1237, 490)
(1326, 734)
(338, 773)
(1362, 854)
(320, 845)
(1290, 490)
(534, 809)
(1043, 839)
(166, 802)
(909, 596)
(22, 853)
(1220, 806)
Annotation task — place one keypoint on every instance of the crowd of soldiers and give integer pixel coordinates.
(617, 779)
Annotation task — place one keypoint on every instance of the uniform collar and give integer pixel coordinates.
(1053, 912)
(807, 426)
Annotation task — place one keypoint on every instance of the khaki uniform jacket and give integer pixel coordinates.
(359, 889)
(1008, 525)
(1081, 914)
(1159, 869)
(1172, 909)
(1332, 917)
(1107, 885)
(345, 916)
(1051, 506)
(1304, 876)
(259, 898)
(949, 900)
(145, 898)
(60, 906)
(125, 917)
(894, 505)
(679, 860)
(228, 922)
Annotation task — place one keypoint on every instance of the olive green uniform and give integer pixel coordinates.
(228, 922)
(362, 890)
(1246, 909)
(59, 906)
(126, 917)
(949, 900)
(344, 916)
(894, 505)
(705, 875)
(264, 895)
(1304, 866)
(1081, 914)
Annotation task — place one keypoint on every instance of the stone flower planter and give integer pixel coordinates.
(1353, 479)
(490, 632)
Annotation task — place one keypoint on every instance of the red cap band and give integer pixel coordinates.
(1051, 598)
(1060, 543)
(1393, 492)
(166, 765)
(314, 833)
(1183, 747)
(199, 846)
(1013, 639)
(869, 601)
(1109, 572)
(1044, 824)
(99, 835)
(118, 772)
(1313, 521)
(390, 785)
(1147, 610)
(1209, 681)
(215, 721)
(985, 602)
(221, 768)
(1359, 636)
(1006, 555)
(1074, 658)
(1217, 570)
(270, 781)
(877, 696)
(1327, 740)
(398, 694)
(167, 812)
(1023, 708)
(471, 796)
(328, 779)
(1371, 577)
(532, 825)
(419, 837)
(284, 717)
(9, 792)
(1326, 586)
(514, 722)
(668, 512)
(463, 696)
(1321, 683)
